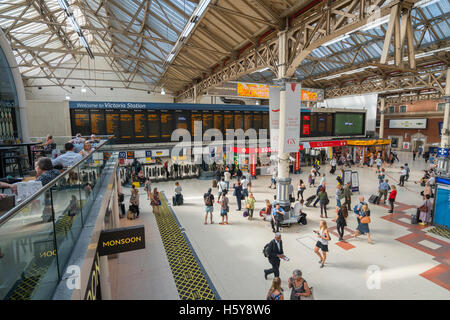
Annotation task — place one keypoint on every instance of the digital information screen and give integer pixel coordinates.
(112, 119)
(126, 124)
(349, 124)
(196, 131)
(248, 121)
(140, 125)
(166, 125)
(81, 122)
(257, 121)
(324, 125)
(238, 121)
(305, 125)
(153, 124)
(97, 122)
(218, 121)
(207, 121)
(181, 121)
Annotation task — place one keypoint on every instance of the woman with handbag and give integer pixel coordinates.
(364, 220)
(155, 202)
(322, 243)
(301, 187)
(299, 286)
(250, 205)
(425, 211)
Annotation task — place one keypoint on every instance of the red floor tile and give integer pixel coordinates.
(345, 245)
(440, 275)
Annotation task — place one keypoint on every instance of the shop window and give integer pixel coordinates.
(441, 107)
(391, 109)
(402, 108)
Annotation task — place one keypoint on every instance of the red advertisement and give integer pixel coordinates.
(297, 161)
(320, 144)
(253, 164)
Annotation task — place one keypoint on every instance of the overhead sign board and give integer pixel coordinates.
(442, 153)
(253, 90)
(292, 118)
(408, 123)
(121, 240)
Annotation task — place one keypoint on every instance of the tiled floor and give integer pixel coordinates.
(411, 263)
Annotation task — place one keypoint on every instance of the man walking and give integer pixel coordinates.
(383, 190)
(403, 174)
(347, 196)
(277, 217)
(275, 253)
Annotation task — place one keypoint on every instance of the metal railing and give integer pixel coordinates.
(38, 235)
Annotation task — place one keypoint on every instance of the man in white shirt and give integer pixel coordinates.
(403, 174)
(244, 183)
(222, 186)
(67, 159)
(227, 177)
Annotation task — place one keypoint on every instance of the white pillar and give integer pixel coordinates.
(382, 118)
(283, 179)
(445, 139)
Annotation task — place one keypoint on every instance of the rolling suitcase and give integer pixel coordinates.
(309, 200)
(373, 198)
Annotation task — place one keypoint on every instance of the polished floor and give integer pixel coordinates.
(404, 262)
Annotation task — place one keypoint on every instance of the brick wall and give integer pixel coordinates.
(419, 106)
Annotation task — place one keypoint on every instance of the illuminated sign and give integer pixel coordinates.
(253, 90)
(408, 124)
(308, 95)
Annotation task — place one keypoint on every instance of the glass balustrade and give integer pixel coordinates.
(38, 236)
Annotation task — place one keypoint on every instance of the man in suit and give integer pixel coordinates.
(275, 254)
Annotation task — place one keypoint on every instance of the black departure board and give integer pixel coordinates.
(166, 125)
(238, 120)
(228, 122)
(98, 122)
(196, 130)
(248, 121)
(126, 125)
(257, 121)
(305, 125)
(153, 124)
(208, 122)
(140, 125)
(81, 122)
(112, 119)
(324, 124)
(181, 120)
(218, 121)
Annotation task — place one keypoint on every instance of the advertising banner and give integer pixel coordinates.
(274, 116)
(292, 118)
(297, 162)
(253, 164)
(121, 240)
(355, 181)
(253, 90)
(408, 124)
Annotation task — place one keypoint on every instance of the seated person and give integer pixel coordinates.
(78, 139)
(45, 171)
(298, 208)
(69, 158)
(141, 177)
(94, 139)
(87, 148)
(178, 195)
(267, 211)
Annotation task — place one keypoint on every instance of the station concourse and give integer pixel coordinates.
(160, 150)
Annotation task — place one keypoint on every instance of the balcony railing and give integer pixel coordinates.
(38, 235)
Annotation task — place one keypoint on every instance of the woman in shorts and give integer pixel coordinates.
(224, 208)
(322, 243)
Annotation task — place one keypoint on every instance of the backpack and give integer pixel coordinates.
(266, 250)
(208, 200)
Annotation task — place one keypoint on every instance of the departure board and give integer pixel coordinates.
(112, 120)
(238, 120)
(140, 125)
(207, 120)
(257, 121)
(195, 128)
(265, 121)
(166, 125)
(153, 124)
(218, 121)
(81, 122)
(181, 120)
(248, 121)
(324, 124)
(97, 122)
(305, 125)
(228, 122)
(126, 124)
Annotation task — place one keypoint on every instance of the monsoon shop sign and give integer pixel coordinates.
(121, 240)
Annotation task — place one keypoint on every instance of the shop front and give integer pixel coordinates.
(362, 150)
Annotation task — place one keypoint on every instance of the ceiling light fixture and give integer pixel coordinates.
(162, 91)
(83, 90)
(65, 6)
